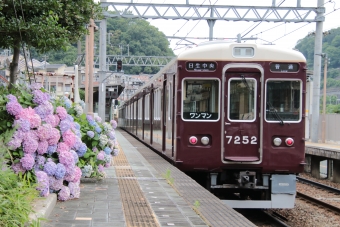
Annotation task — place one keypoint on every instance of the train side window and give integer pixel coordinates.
(200, 99)
(283, 100)
(242, 99)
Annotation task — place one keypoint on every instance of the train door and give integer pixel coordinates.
(242, 124)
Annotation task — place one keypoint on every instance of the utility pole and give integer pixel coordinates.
(90, 64)
(323, 135)
(102, 70)
(316, 76)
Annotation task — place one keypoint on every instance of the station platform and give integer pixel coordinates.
(327, 150)
(143, 189)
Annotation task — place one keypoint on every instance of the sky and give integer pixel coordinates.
(281, 34)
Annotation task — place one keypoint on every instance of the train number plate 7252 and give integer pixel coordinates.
(242, 140)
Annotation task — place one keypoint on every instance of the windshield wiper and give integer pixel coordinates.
(244, 81)
(273, 110)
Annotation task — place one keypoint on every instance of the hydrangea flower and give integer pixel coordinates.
(64, 193)
(64, 125)
(42, 147)
(51, 149)
(44, 110)
(107, 150)
(14, 108)
(101, 155)
(62, 113)
(43, 183)
(17, 167)
(69, 138)
(82, 150)
(98, 129)
(103, 140)
(115, 152)
(35, 86)
(75, 156)
(55, 184)
(14, 143)
(50, 167)
(79, 110)
(90, 134)
(87, 171)
(22, 124)
(74, 190)
(66, 158)
(113, 123)
(30, 145)
(62, 147)
(107, 158)
(40, 97)
(60, 171)
(98, 119)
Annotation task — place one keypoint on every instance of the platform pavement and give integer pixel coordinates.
(100, 203)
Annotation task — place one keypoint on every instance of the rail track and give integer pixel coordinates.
(319, 185)
(264, 217)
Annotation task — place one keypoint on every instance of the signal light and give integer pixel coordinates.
(119, 65)
(289, 142)
(193, 140)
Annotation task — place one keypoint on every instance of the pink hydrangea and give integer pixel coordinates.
(69, 138)
(62, 113)
(77, 174)
(42, 147)
(64, 193)
(27, 162)
(66, 158)
(54, 136)
(63, 147)
(100, 168)
(101, 155)
(44, 132)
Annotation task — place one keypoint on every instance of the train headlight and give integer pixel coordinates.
(205, 140)
(289, 142)
(277, 141)
(193, 140)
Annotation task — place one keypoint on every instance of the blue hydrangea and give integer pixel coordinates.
(86, 171)
(77, 125)
(107, 150)
(51, 149)
(98, 129)
(60, 171)
(50, 168)
(90, 134)
(82, 150)
(92, 122)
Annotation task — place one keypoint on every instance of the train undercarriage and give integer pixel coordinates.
(250, 189)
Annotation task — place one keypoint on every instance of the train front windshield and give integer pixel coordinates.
(200, 99)
(283, 100)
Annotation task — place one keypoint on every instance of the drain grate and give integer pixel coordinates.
(137, 211)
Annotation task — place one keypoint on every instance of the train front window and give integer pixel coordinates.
(283, 100)
(242, 99)
(200, 100)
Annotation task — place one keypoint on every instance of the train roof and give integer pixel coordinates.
(221, 51)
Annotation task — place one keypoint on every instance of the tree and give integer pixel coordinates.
(43, 24)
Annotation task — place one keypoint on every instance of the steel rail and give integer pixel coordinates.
(318, 202)
(322, 186)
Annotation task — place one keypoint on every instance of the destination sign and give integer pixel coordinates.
(201, 66)
(284, 67)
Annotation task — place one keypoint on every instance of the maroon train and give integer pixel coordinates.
(231, 116)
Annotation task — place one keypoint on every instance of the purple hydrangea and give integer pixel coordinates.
(23, 125)
(107, 150)
(40, 160)
(77, 144)
(74, 190)
(90, 134)
(82, 150)
(60, 171)
(17, 167)
(75, 156)
(89, 118)
(111, 135)
(35, 86)
(64, 125)
(14, 108)
(113, 123)
(97, 119)
(115, 152)
(12, 98)
(100, 168)
(55, 184)
(40, 97)
(54, 136)
(14, 143)
(43, 183)
(76, 125)
(30, 145)
(50, 167)
(101, 155)
(44, 110)
(64, 193)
